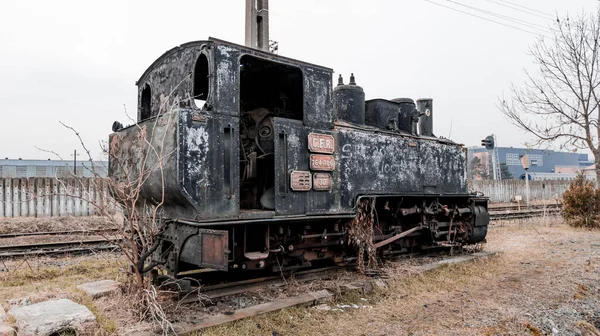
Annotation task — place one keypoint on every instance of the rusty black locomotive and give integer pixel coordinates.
(260, 163)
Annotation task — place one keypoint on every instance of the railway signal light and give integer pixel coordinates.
(488, 142)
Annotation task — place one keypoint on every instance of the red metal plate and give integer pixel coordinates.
(322, 162)
(322, 182)
(301, 180)
(214, 247)
(321, 143)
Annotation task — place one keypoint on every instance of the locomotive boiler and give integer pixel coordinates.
(259, 163)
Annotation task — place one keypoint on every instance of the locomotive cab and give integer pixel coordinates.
(231, 96)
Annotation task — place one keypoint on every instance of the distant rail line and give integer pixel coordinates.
(499, 208)
(57, 248)
(56, 233)
(536, 211)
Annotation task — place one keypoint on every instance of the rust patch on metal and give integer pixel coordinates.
(321, 143)
(213, 246)
(322, 182)
(198, 117)
(322, 162)
(115, 141)
(301, 180)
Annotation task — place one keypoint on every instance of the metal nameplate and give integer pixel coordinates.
(321, 143)
(198, 117)
(322, 162)
(322, 182)
(301, 180)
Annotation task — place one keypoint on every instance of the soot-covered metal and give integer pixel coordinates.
(258, 163)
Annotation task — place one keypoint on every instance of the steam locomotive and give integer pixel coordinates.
(258, 163)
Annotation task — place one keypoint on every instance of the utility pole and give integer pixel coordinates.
(75, 162)
(496, 161)
(257, 24)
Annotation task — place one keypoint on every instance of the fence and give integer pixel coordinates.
(47, 197)
(504, 191)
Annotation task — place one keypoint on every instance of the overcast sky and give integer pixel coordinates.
(77, 61)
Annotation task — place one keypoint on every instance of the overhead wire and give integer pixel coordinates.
(505, 17)
(519, 9)
(487, 19)
(529, 9)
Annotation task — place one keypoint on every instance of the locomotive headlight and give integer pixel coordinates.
(116, 126)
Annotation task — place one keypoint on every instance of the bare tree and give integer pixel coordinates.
(560, 104)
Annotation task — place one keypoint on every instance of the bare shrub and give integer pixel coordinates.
(360, 230)
(581, 203)
(139, 221)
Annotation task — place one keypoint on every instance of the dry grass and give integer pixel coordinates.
(40, 279)
(546, 276)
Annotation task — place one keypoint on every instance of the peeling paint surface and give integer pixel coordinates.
(197, 145)
(368, 163)
(202, 146)
(170, 79)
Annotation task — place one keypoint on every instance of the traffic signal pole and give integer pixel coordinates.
(490, 144)
(525, 163)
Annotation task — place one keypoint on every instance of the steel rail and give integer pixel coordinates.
(34, 246)
(212, 292)
(492, 208)
(522, 214)
(54, 233)
(77, 250)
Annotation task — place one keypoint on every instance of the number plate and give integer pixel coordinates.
(322, 162)
(322, 182)
(301, 181)
(321, 143)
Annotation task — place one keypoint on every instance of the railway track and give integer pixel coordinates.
(505, 215)
(213, 292)
(92, 245)
(492, 208)
(56, 233)
(209, 293)
(57, 248)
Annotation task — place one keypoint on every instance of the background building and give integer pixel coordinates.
(18, 168)
(540, 161)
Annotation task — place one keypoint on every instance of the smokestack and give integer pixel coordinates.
(425, 108)
(257, 24)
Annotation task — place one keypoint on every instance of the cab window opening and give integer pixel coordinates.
(200, 93)
(146, 103)
(275, 87)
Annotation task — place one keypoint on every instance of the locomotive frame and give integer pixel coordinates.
(265, 164)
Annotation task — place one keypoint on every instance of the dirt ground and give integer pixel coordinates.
(545, 280)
